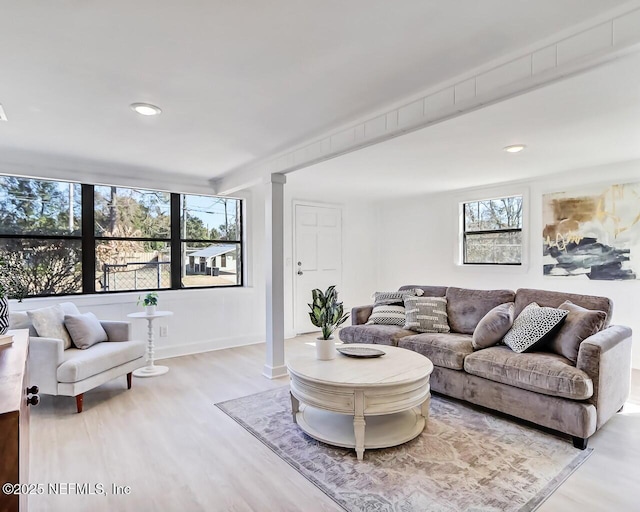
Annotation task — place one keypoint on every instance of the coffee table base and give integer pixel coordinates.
(380, 431)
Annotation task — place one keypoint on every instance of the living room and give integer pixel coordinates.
(249, 92)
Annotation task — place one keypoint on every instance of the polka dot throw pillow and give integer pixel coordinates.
(532, 326)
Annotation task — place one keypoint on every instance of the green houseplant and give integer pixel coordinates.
(327, 314)
(149, 302)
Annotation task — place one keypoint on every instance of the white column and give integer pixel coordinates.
(274, 276)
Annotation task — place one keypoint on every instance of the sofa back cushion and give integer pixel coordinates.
(467, 307)
(549, 299)
(429, 291)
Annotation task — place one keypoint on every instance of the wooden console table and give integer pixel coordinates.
(14, 419)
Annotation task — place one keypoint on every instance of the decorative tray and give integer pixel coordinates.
(360, 351)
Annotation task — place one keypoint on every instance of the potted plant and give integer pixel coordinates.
(327, 314)
(149, 302)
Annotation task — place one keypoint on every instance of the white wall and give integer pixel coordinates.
(204, 319)
(422, 234)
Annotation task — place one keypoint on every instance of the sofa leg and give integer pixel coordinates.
(79, 402)
(129, 375)
(580, 442)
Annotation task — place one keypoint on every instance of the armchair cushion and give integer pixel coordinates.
(79, 364)
(49, 323)
(85, 330)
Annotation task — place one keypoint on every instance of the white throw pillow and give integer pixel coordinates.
(532, 327)
(49, 323)
(85, 330)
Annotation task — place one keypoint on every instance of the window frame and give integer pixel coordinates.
(488, 194)
(88, 239)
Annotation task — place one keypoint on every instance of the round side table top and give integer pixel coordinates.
(397, 366)
(157, 314)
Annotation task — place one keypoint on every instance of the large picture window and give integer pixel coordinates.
(40, 237)
(59, 238)
(492, 231)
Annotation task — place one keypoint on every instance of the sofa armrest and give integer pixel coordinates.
(606, 358)
(360, 314)
(45, 355)
(117, 331)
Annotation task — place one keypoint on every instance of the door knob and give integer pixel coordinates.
(33, 400)
(300, 272)
(33, 390)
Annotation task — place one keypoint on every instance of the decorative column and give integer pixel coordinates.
(274, 275)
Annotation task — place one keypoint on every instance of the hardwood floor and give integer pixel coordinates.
(176, 451)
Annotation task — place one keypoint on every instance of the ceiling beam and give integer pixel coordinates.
(574, 51)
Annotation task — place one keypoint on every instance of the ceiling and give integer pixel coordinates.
(583, 121)
(240, 80)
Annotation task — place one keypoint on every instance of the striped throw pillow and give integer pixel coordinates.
(394, 297)
(426, 314)
(387, 315)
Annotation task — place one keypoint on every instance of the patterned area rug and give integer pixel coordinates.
(464, 460)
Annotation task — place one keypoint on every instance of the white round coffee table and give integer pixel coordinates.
(333, 401)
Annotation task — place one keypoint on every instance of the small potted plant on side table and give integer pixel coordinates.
(327, 314)
(150, 302)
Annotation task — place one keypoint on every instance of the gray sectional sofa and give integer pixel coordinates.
(541, 387)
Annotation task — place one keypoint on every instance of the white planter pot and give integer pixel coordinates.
(150, 310)
(325, 349)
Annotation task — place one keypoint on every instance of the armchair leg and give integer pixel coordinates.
(79, 402)
(129, 375)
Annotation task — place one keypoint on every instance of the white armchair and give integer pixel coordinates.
(73, 371)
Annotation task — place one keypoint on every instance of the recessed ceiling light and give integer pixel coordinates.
(146, 109)
(516, 148)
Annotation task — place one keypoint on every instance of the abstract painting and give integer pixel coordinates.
(593, 233)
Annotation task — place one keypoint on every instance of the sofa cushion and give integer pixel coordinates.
(467, 307)
(79, 364)
(525, 296)
(493, 326)
(541, 372)
(533, 327)
(49, 323)
(448, 350)
(382, 298)
(578, 326)
(85, 330)
(20, 320)
(378, 334)
(426, 314)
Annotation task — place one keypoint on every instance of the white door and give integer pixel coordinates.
(317, 258)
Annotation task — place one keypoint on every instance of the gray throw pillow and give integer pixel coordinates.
(579, 325)
(49, 323)
(426, 314)
(532, 327)
(493, 326)
(380, 298)
(387, 314)
(86, 330)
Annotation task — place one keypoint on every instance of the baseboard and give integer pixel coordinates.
(198, 347)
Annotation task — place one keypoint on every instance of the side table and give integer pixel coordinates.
(151, 370)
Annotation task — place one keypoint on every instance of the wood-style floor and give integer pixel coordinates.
(176, 451)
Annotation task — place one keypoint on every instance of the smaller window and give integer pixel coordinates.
(492, 231)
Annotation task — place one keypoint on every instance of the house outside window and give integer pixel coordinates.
(492, 231)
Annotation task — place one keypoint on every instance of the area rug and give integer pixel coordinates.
(465, 459)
